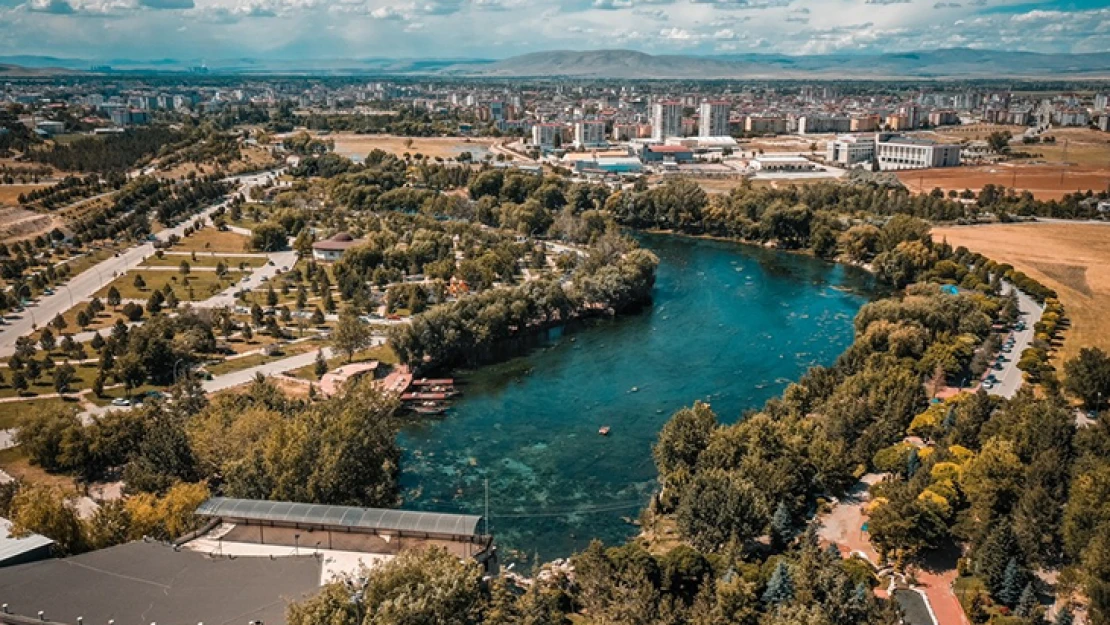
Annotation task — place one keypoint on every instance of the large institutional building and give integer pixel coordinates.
(590, 134)
(666, 120)
(713, 119)
(892, 152)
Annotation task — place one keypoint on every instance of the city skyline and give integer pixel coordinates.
(102, 30)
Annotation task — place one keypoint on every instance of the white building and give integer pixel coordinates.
(713, 119)
(896, 152)
(1102, 101)
(590, 134)
(849, 150)
(666, 120)
(769, 162)
(544, 135)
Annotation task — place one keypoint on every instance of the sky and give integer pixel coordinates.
(200, 30)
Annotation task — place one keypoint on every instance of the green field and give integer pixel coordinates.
(205, 284)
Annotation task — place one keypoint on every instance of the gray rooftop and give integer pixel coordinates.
(341, 516)
(139, 583)
(13, 548)
(910, 141)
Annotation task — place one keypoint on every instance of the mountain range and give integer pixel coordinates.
(945, 63)
(952, 63)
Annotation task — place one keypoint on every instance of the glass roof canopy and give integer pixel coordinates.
(341, 517)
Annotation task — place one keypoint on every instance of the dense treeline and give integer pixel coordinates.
(625, 585)
(810, 216)
(260, 444)
(465, 330)
(108, 153)
(145, 198)
(71, 189)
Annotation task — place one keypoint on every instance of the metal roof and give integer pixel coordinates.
(13, 547)
(341, 516)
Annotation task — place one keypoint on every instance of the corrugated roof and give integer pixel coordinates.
(12, 547)
(341, 516)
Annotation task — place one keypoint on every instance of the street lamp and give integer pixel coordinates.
(68, 290)
(175, 363)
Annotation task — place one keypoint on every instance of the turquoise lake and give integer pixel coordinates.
(731, 325)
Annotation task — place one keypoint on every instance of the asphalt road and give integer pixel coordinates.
(83, 285)
(1010, 378)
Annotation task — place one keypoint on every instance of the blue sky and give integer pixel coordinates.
(291, 29)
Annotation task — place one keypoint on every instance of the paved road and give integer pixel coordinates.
(1010, 378)
(255, 280)
(83, 285)
(235, 378)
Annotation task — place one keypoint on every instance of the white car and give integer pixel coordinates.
(121, 402)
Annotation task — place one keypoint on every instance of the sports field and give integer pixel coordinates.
(358, 146)
(1072, 258)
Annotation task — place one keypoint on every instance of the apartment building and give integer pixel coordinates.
(589, 134)
(547, 136)
(713, 119)
(765, 125)
(811, 124)
(666, 119)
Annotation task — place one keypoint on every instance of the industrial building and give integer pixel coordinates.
(23, 549)
(666, 120)
(849, 150)
(667, 154)
(774, 163)
(713, 119)
(892, 151)
(897, 152)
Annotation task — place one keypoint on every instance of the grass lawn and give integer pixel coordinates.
(86, 374)
(10, 412)
(212, 240)
(113, 393)
(204, 259)
(246, 362)
(106, 319)
(84, 263)
(204, 284)
(16, 464)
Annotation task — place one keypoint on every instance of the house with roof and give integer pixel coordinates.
(331, 250)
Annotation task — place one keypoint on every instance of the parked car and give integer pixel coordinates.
(121, 402)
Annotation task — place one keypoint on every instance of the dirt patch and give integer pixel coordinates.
(1046, 181)
(18, 223)
(358, 146)
(9, 193)
(1072, 276)
(1072, 258)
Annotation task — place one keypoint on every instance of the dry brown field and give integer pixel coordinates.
(1072, 258)
(9, 193)
(358, 146)
(1045, 181)
(17, 224)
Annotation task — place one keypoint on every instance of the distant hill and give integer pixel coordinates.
(8, 70)
(947, 63)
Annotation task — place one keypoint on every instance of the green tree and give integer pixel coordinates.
(780, 588)
(719, 507)
(43, 510)
(321, 365)
(1088, 376)
(138, 282)
(63, 378)
(47, 340)
(351, 335)
(782, 526)
(82, 319)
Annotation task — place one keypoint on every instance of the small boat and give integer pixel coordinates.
(603, 430)
(430, 408)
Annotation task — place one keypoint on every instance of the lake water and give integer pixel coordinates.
(731, 325)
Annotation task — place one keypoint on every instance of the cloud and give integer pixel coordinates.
(386, 13)
(54, 7)
(612, 5)
(744, 4)
(798, 20)
(947, 5)
(884, 2)
(167, 4)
